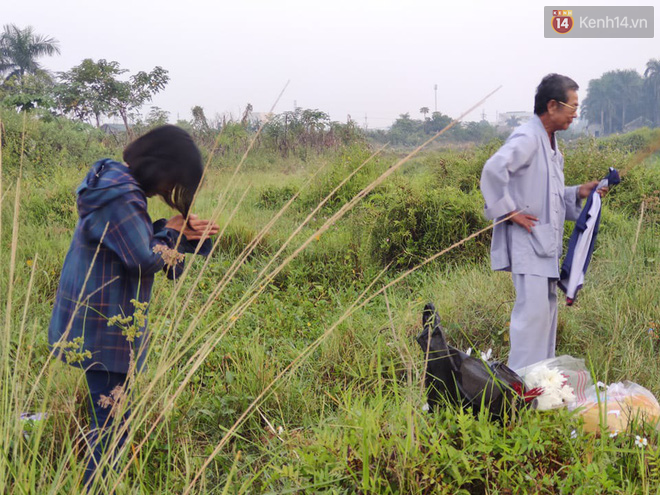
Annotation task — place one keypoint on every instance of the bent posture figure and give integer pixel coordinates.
(110, 266)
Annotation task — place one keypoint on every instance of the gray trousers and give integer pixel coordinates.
(533, 330)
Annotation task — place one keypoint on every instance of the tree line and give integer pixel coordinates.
(622, 99)
(406, 131)
(94, 90)
(88, 91)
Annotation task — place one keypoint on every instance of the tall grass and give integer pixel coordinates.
(262, 380)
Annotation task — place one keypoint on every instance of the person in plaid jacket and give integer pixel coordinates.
(110, 266)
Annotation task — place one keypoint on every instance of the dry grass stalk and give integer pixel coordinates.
(634, 246)
(2, 197)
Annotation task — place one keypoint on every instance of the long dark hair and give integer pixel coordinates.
(552, 87)
(166, 161)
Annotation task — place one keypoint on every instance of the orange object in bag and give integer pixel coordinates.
(617, 406)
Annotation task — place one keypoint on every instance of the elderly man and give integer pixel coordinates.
(526, 176)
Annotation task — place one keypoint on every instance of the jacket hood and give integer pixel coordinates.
(106, 181)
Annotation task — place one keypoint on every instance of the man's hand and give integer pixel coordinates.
(524, 220)
(195, 229)
(587, 187)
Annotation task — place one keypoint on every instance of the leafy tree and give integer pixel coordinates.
(86, 89)
(199, 119)
(157, 117)
(437, 122)
(303, 130)
(20, 49)
(128, 96)
(93, 88)
(652, 87)
(629, 84)
(315, 120)
(614, 99)
(404, 124)
(596, 104)
(32, 91)
(246, 115)
(313, 124)
(480, 131)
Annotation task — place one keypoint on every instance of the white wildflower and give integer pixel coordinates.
(574, 434)
(425, 407)
(486, 355)
(614, 434)
(468, 351)
(641, 442)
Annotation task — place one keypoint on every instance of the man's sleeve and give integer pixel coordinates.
(513, 156)
(573, 203)
(130, 235)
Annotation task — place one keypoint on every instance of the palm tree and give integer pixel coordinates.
(20, 49)
(424, 111)
(597, 105)
(627, 85)
(652, 82)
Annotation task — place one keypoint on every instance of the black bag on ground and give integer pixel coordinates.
(454, 376)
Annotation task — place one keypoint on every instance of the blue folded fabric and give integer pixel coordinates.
(580, 230)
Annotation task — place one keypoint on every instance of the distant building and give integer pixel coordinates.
(637, 123)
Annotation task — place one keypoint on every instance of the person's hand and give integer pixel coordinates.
(587, 187)
(196, 228)
(524, 220)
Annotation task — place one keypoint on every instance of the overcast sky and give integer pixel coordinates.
(373, 58)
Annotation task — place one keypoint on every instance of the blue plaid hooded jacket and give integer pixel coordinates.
(93, 287)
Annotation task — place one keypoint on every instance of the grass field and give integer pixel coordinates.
(286, 362)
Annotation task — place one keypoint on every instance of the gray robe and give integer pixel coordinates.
(527, 174)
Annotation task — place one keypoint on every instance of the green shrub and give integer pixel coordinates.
(51, 207)
(410, 224)
(641, 183)
(631, 142)
(586, 160)
(335, 259)
(51, 143)
(274, 197)
(336, 171)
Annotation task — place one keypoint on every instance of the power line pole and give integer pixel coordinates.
(435, 88)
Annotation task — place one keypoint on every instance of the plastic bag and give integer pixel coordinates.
(572, 369)
(620, 404)
(454, 376)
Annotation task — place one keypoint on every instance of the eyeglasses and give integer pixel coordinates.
(574, 108)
